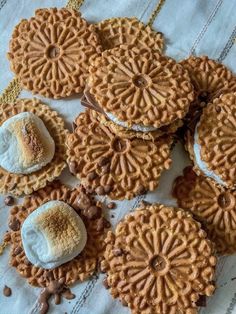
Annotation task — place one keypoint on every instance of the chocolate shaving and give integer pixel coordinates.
(89, 101)
(9, 201)
(7, 291)
(14, 224)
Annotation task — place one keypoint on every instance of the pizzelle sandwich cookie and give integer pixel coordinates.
(142, 92)
(57, 235)
(210, 79)
(32, 146)
(119, 167)
(117, 31)
(214, 206)
(50, 53)
(212, 147)
(158, 260)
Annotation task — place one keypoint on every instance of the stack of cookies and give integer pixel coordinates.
(159, 260)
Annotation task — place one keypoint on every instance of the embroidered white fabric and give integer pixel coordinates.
(190, 27)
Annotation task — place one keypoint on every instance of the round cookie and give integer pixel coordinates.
(81, 267)
(209, 79)
(119, 167)
(214, 141)
(126, 132)
(50, 53)
(214, 206)
(18, 184)
(159, 260)
(117, 31)
(147, 90)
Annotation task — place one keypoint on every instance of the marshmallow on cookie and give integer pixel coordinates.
(53, 234)
(25, 144)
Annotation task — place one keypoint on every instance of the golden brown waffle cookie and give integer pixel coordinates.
(214, 206)
(210, 79)
(217, 138)
(150, 90)
(98, 114)
(50, 53)
(81, 267)
(117, 31)
(112, 165)
(159, 261)
(25, 184)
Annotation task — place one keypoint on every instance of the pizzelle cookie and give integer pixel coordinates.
(33, 146)
(117, 31)
(213, 146)
(214, 206)
(159, 261)
(112, 165)
(142, 91)
(210, 79)
(50, 53)
(79, 268)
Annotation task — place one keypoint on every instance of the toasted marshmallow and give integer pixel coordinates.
(25, 144)
(201, 164)
(134, 127)
(53, 234)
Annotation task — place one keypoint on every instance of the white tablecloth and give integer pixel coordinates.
(190, 27)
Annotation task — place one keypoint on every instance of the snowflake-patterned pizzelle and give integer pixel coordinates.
(210, 79)
(122, 167)
(50, 53)
(117, 31)
(213, 205)
(81, 267)
(150, 89)
(159, 259)
(217, 137)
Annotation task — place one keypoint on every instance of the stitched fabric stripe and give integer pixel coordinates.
(205, 27)
(228, 46)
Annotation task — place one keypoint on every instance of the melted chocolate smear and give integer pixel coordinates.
(56, 288)
(6, 291)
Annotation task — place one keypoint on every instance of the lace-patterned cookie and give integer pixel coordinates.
(112, 165)
(81, 267)
(50, 53)
(210, 79)
(159, 260)
(117, 31)
(213, 205)
(148, 90)
(18, 184)
(216, 137)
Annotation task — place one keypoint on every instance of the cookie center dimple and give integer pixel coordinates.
(53, 52)
(158, 264)
(119, 145)
(226, 201)
(140, 81)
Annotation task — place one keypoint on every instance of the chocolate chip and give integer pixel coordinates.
(218, 109)
(92, 175)
(102, 223)
(93, 212)
(7, 291)
(111, 205)
(74, 126)
(117, 252)
(14, 224)
(105, 283)
(100, 190)
(141, 190)
(201, 301)
(9, 200)
(72, 167)
(17, 250)
(107, 188)
(103, 161)
(106, 169)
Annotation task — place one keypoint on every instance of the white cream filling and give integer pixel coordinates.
(134, 127)
(201, 164)
(50, 250)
